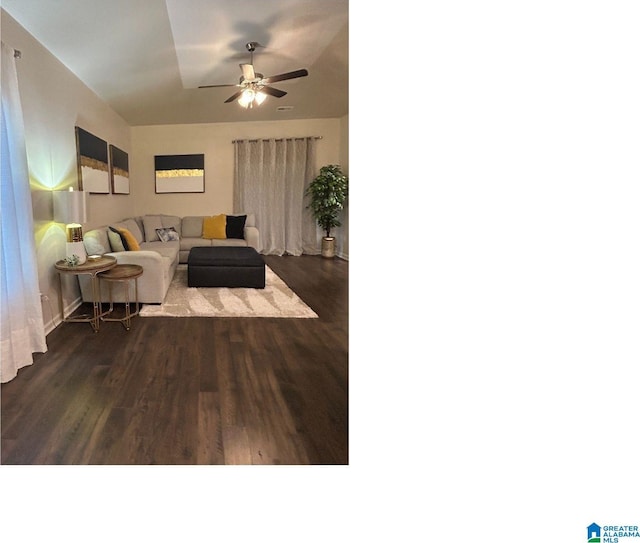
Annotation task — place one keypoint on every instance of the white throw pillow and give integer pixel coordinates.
(96, 242)
(168, 234)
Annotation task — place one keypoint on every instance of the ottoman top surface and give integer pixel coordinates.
(224, 256)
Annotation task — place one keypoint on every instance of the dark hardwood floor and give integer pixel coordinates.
(192, 390)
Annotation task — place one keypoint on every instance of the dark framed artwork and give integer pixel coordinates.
(119, 170)
(93, 163)
(179, 173)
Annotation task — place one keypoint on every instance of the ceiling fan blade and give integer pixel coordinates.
(284, 77)
(213, 86)
(233, 97)
(273, 92)
(247, 71)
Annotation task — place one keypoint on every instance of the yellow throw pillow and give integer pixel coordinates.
(214, 227)
(132, 243)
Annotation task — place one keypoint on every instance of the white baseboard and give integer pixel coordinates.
(56, 320)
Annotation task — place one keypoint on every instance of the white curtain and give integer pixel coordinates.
(22, 326)
(270, 179)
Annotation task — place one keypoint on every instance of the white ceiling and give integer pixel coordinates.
(146, 58)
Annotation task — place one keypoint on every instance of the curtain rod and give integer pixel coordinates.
(279, 139)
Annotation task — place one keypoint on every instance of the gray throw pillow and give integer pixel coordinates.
(151, 224)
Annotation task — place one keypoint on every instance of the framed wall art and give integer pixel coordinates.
(119, 161)
(179, 173)
(93, 163)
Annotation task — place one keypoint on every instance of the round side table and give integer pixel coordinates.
(92, 268)
(122, 273)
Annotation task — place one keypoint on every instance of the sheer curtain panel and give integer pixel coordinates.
(22, 326)
(271, 177)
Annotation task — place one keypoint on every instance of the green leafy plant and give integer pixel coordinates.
(72, 261)
(328, 193)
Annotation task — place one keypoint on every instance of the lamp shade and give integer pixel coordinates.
(70, 206)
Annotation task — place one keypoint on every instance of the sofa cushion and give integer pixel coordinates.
(235, 226)
(132, 226)
(187, 244)
(228, 243)
(169, 249)
(191, 227)
(151, 224)
(140, 227)
(214, 227)
(172, 221)
(116, 240)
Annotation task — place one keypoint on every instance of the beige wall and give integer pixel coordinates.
(54, 101)
(215, 142)
(344, 144)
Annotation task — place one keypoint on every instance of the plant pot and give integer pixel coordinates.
(328, 247)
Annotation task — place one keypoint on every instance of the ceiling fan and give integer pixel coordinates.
(254, 87)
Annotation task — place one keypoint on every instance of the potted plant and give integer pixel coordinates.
(328, 192)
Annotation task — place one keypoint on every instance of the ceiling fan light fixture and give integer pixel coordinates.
(247, 97)
(251, 97)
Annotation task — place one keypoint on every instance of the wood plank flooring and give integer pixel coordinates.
(192, 390)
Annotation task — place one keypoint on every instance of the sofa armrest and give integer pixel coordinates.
(152, 284)
(252, 237)
(153, 270)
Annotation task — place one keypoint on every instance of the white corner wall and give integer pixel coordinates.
(54, 101)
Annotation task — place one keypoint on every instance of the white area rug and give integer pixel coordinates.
(275, 300)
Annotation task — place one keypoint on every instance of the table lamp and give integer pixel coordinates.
(70, 208)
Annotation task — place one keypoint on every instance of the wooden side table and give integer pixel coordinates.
(122, 273)
(93, 268)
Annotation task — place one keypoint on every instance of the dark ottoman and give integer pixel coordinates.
(225, 267)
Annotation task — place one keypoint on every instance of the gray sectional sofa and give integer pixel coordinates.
(191, 236)
(159, 259)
